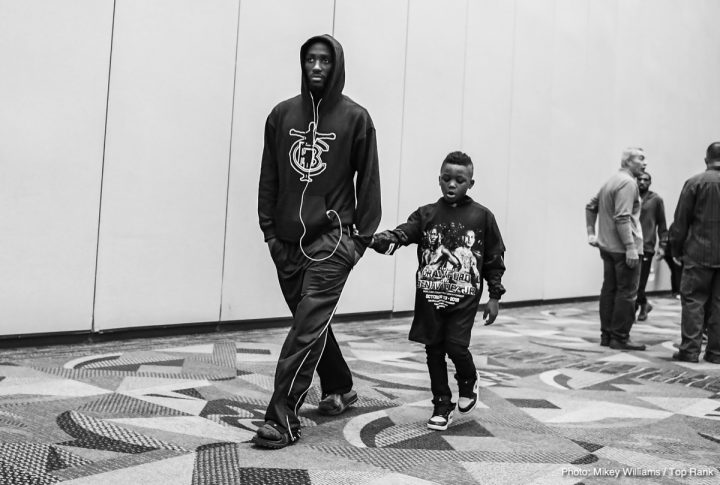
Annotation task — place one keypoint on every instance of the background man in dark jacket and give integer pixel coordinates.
(318, 205)
(695, 239)
(654, 227)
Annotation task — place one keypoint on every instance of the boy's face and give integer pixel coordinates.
(455, 180)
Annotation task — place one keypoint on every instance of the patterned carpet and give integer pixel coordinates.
(555, 408)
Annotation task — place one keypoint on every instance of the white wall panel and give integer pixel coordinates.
(565, 242)
(432, 123)
(678, 43)
(488, 100)
(530, 152)
(166, 164)
(54, 57)
(375, 79)
(600, 156)
(543, 94)
(268, 71)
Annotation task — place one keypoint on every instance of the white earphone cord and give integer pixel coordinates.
(316, 120)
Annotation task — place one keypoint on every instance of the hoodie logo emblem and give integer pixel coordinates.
(306, 152)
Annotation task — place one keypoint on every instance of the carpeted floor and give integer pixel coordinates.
(555, 408)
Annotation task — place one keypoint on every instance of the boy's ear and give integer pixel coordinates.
(472, 183)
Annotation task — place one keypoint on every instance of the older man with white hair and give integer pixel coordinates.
(616, 210)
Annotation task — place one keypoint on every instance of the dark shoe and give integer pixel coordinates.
(713, 359)
(442, 414)
(334, 404)
(681, 357)
(469, 394)
(604, 341)
(271, 435)
(627, 345)
(644, 310)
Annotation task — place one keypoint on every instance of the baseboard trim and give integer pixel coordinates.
(78, 337)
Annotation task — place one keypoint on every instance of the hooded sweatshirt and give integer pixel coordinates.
(319, 163)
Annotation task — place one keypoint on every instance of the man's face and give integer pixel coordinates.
(643, 181)
(318, 66)
(468, 239)
(455, 180)
(433, 236)
(637, 165)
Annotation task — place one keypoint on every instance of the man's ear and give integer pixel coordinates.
(472, 183)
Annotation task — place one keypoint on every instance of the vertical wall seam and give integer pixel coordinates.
(229, 166)
(402, 136)
(333, 20)
(546, 211)
(102, 168)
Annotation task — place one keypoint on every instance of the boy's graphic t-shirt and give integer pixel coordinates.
(459, 247)
(448, 270)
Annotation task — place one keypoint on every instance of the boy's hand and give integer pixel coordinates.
(492, 307)
(385, 242)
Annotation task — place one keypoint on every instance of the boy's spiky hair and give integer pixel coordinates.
(458, 158)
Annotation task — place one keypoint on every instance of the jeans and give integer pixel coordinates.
(617, 296)
(645, 264)
(437, 366)
(700, 290)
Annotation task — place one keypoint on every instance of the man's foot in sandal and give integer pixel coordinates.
(273, 436)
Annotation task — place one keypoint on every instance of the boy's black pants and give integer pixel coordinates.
(437, 367)
(312, 290)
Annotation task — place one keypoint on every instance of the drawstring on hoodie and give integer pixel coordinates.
(316, 122)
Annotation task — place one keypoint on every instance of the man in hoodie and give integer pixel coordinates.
(654, 227)
(318, 205)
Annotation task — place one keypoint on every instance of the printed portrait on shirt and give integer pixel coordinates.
(450, 255)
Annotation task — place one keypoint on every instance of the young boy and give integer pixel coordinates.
(448, 289)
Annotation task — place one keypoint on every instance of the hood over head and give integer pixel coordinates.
(336, 82)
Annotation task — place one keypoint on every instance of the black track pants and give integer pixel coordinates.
(312, 290)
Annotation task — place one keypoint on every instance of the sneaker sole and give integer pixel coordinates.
(336, 411)
(476, 390)
(440, 427)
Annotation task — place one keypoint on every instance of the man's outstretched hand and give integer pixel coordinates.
(492, 307)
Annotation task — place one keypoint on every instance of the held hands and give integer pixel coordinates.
(631, 258)
(385, 242)
(592, 240)
(492, 307)
(659, 254)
